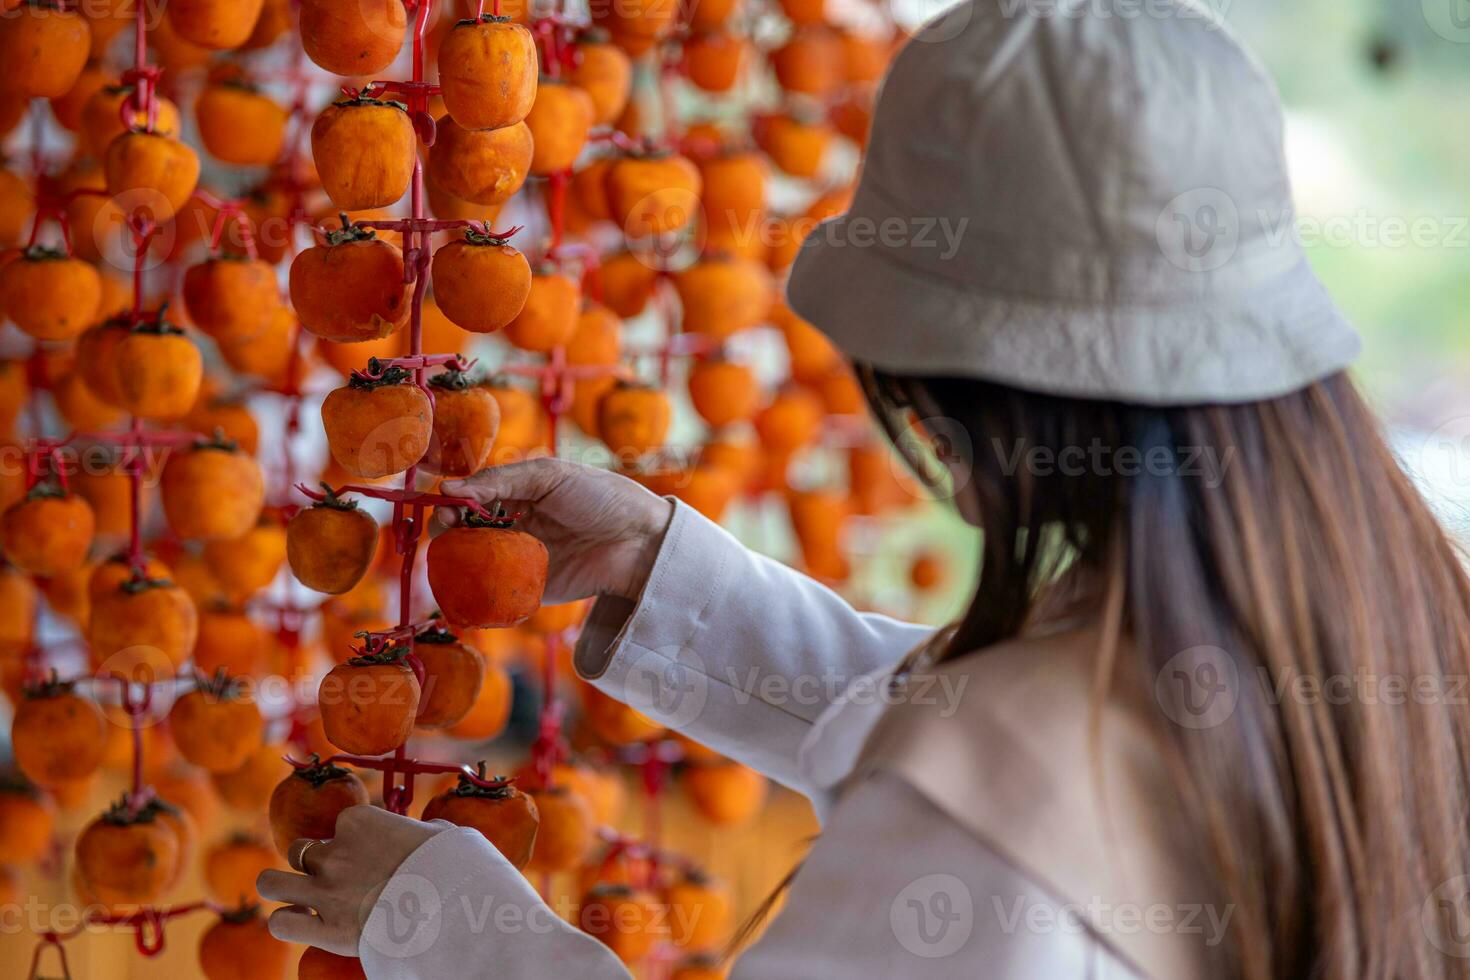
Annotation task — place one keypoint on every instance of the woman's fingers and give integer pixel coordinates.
(282, 886)
(529, 481)
(294, 924)
(306, 853)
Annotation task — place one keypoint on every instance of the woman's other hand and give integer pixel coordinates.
(342, 878)
(602, 530)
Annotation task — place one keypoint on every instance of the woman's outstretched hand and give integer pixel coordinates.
(340, 879)
(602, 530)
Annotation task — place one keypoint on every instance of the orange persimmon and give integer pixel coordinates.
(700, 911)
(350, 289)
(734, 195)
(634, 419)
(50, 295)
(482, 166)
(791, 421)
(127, 855)
(522, 421)
(212, 491)
(216, 725)
(357, 37)
(722, 295)
(713, 60)
(229, 641)
(57, 736)
(466, 420)
(615, 722)
(158, 371)
(481, 282)
(377, 426)
(215, 24)
(364, 151)
(48, 532)
(549, 316)
(96, 359)
(567, 833)
(490, 712)
(43, 48)
(604, 71)
(796, 144)
(628, 281)
(143, 623)
(636, 25)
(232, 865)
(725, 793)
(150, 172)
(19, 604)
(318, 964)
(249, 788)
(486, 573)
(306, 803)
(249, 563)
(560, 121)
(331, 544)
(723, 392)
(239, 124)
(507, 817)
(653, 193)
(487, 72)
(810, 63)
(453, 674)
(625, 919)
(239, 946)
(27, 822)
(369, 703)
(231, 297)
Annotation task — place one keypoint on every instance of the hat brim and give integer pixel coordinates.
(1277, 338)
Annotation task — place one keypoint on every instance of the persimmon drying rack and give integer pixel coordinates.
(553, 378)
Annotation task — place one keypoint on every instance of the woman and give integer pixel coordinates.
(1163, 741)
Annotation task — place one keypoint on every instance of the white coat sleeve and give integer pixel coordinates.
(733, 649)
(456, 908)
(894, 888)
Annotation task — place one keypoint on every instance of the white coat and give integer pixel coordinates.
(962, 835)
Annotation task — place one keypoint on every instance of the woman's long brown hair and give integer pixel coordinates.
(1285, 534)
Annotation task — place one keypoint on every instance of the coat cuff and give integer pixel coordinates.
(688, 571)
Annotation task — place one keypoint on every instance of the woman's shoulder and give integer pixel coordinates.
(1013, 744)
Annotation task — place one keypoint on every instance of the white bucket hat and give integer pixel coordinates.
(1078, 201)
